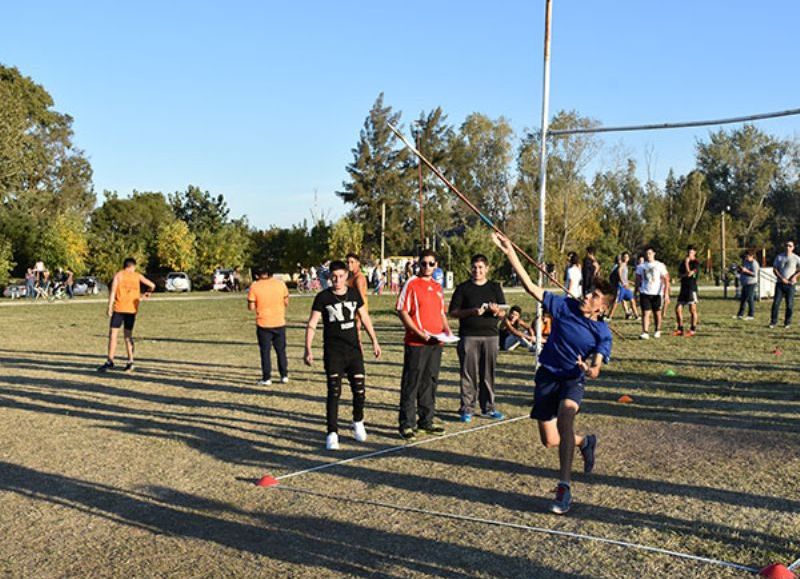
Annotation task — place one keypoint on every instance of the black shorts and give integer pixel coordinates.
(551, 390)
(687, 297)
(344, 363)
(650, 302)
(118, 319)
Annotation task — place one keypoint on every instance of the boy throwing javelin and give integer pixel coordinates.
(578, 345)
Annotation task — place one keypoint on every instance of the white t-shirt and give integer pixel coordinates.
(574, 279)
(651, 275)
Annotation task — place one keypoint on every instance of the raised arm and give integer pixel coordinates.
(505, 246)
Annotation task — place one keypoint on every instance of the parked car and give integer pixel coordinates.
(177, 281)
(88, 286)
(15, 291)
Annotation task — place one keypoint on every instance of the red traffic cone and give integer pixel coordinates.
(267, 481)
(624, 399)
(776, 571)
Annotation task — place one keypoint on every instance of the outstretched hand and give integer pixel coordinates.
(502, 242)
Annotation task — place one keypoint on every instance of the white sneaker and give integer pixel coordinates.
(332, 442)
(644, 336)
(657, 334)
(749, 318)
(284, 379)
(359, 431)
(265, 382)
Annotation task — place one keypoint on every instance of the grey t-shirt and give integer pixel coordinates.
(753, 266)
(623, 274)
(787, 264)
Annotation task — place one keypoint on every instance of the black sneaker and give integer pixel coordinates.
(408, 434)
(588, 453)
(129, 367)
(434, 428)
(107, 365)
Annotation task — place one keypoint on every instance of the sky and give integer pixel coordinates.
(263, 101)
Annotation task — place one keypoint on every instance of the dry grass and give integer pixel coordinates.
(151, 474)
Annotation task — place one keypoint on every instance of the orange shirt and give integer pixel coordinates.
(423, 300)
(128, 294)
(358, 282)
(269, 295)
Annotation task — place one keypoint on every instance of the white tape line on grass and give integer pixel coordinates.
(795, 565)
(518, 526)
(433, 438)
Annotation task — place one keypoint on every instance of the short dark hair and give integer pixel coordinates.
(264, 271)
(427, 253)
(605, 288)
(590, 249)
(129, 261)
(573, 258)
(515, 309)
(352, 255)
(749, 253)
(337, 264)
(649, 248)
(691, 248)
(479, 257)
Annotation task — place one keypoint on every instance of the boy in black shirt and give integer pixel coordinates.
(687, 271)
(476, 303)
(339, 306)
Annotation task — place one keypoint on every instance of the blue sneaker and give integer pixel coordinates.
(563, 500)
(494, 414)
(588, 453)
(466, 417)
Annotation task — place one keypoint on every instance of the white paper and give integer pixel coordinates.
(445, 338)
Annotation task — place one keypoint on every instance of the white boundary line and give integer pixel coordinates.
(794, 565)
(433, 438)
(522, 527)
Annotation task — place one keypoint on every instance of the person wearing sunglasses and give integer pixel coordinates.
(578, 345)
(420, 306)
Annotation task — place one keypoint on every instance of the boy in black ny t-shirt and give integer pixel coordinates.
(687, 271)
(338, 307)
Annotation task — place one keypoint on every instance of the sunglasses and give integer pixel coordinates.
(427, 263)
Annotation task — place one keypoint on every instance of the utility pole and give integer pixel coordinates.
(383, 229)
(724, 274)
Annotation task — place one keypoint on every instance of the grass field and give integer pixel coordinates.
(151, 474)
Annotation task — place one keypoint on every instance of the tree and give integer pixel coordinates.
(6, 260)
(226, 247)
(64, 243)
(347, 236)
(378, 175)
(199, 209)
(175, 246)
(474, 240)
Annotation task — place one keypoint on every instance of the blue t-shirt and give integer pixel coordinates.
(571, 335)
(438, 276)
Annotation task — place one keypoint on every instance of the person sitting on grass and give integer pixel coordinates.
(338, 307)
(123, 305)
(579, 344)
(515, 331)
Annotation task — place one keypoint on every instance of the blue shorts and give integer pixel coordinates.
(551, 390)
(624, 294)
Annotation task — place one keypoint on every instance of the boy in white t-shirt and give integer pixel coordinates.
(652, 280)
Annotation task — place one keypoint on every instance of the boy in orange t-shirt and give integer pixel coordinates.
(268, 298)
(123, 305)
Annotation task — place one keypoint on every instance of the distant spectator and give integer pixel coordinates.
(786, 267)
(748, 279)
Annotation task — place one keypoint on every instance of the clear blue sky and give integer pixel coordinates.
(263, 101)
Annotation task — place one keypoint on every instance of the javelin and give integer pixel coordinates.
(483, 217)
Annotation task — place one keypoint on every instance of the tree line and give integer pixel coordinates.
(50, 212)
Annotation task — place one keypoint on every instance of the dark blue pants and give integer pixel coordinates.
(747, 298)
(269, 338)
(783, 291)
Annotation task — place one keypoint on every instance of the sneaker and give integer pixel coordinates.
(495, 414)
(588, 453)
(332, 442)
(129, 367)
(738, 317)
(563, 500)
(644, 336)
(107, 365)
(749, 318)
(677, 333)
(408, 434)
(466, 417)
(691, 333)
(359, 431)
(284, 379)
(265, 382)
(434, 428)
(787, 326)
(771, 326)
(657, 334)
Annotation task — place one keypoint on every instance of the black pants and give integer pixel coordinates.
(267, 339)
(338, 365)
(418, 385)
(747, 298)
(783, 291)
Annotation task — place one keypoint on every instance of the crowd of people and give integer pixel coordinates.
(40, 283)
(575, 324)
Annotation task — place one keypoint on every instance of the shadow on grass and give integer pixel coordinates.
(306, 541)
